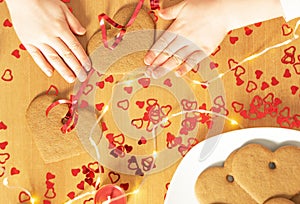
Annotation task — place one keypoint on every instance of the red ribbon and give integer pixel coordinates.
(72, 115)
(154, 4)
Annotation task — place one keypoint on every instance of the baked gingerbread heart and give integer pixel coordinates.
(218, 185)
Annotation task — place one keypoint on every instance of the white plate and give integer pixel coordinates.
(181, 188)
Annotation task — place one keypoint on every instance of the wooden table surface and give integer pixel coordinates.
(260, 92)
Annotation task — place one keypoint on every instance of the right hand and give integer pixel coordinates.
(46, 27)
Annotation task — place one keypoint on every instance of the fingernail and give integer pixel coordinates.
(82, 30)
(70, 79)
(49, 73)
(87, 65)
(150, 56)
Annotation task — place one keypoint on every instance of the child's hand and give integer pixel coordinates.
(46, 29)
(199, 27)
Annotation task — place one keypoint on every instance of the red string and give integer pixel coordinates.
(72, 115)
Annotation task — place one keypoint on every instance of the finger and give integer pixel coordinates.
(190, 63)
(161, 44)
(73, 22)
(58, 64)
(174, 61)
(40, 60)
(71, 41)
(172, 12)
(69, 58)
(177, 44)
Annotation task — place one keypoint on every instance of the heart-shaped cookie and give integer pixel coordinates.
(52, 144)
(217, 185)
(265, 174)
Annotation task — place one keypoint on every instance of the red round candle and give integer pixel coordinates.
(110, 191)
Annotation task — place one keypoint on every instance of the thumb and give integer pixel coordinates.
(172, 12)
(73, 23)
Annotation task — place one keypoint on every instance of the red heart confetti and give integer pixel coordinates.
(4, 157)
(50, 176)
(125, 186)
(128, 89)
(80, 186)
(114, 177)
(264, 86)
(7, 23)
(123, 104)
(294, 89)
(75, 172)
(109, 79)
(286, 29)
(145, 82)
(22, 47)
(2, 126)
(248, 31)
(16, 53)
(213, 65)
(71, 195)
(100, 84)
(46, 202)
(7, 75)
(274, 81)
(49, 184)
(258, 74)
(168, 83)
(3, 145)
(104, 127)
(140, 104)
(287, 73)
(24, 197)
(99, 106)
(252, 86)
(142, 141)
(258, 24)
(50, 193)
(233, 40)
(14, 171)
